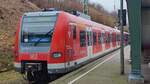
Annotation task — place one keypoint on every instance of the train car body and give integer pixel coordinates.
(59, 42)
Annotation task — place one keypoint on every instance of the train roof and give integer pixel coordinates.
(40, 13)
(72, 17)
(89, 22)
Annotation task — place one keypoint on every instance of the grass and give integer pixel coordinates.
(11, 77)
(7, 73)
(6, 61)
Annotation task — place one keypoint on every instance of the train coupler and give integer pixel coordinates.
(33, 67)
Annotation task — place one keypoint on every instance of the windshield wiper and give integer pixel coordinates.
(48, 33)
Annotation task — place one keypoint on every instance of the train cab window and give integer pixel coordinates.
(94, 38)
(82, 38)
(35, 28)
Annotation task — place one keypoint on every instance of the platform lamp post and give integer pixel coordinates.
(122, 39)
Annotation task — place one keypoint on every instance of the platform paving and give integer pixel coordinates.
(103, 71)
(146, 73)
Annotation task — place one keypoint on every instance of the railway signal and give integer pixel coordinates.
(124, 21)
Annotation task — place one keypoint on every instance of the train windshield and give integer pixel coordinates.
(36, 32)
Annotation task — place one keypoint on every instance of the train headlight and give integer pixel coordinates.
(56, 55)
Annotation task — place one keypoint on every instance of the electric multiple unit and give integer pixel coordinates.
(56, 42)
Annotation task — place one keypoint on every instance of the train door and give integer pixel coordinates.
(107, 38)
(89, 40)
(118, 39)
(103, 40)
(114, 39)
(100, 41)
(70, 45)
(111, 39)
(75, 46)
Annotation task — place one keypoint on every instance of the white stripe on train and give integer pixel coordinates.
(71, 64)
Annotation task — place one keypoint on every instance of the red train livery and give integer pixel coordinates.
(55, 42)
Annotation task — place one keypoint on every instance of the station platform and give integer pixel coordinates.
(105, 70)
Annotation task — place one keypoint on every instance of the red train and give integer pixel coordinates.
(55, 42)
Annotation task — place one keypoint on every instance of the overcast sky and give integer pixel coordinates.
(109, 5)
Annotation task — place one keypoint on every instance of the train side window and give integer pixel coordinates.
(99, 38)
(82, 38)
(111, 37)
(88, 39)
(89, 34)
(119, 37)
(94, 38)
(116, 37)
(102, 37)
(107, 38)
(74, 31)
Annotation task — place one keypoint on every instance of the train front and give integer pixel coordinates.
(33, 41)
